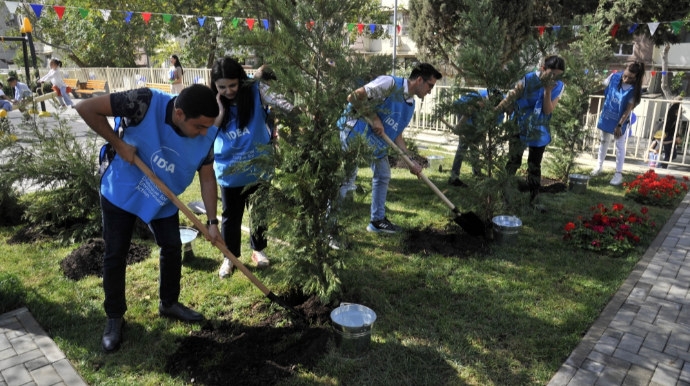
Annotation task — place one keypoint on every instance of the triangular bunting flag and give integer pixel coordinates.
(372, 27)
(167, 17)
(218, 20)
(606, 71)
(556, 28)
(541, 31)
(235, 21)
(265, 24)
(676, 25)
(59, 10)
(201, 20)
(652, 28)
(146, 16)
(129, 16)
(632, 29)
(399, 28)
(360, 27)
(576, 28)
(106, 14)
(83, 12)
(653, 73)
(615, 71)
(250, 23)
(663, 72)
(350, 26)
(11, 6)
(614, 30)
(37, 10)
(586, 72)
(310, 25)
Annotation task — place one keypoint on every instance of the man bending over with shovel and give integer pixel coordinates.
(392, 116)
(174, 136)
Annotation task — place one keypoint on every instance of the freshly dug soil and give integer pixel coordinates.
(235, 354)
(87, 260)
(548, 185)
(28, 234)
(398, 162)
(451, 241)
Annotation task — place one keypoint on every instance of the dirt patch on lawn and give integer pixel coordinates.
(234, 354)
(451, 242)
(397, 162)
(27, 235)
(548, 185)
(87, 260)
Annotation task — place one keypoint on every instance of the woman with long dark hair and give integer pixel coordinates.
(176, 73)
(242, 124)
(623, 92)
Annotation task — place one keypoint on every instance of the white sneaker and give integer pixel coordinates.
(596, 171)
(63, 108)
(617, 179)
(259, 257)
(226, 268)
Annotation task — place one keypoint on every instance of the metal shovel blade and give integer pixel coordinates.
(274, 298)
(470, 223)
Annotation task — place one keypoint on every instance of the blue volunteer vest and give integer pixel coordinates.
(234, 145)
(482, 93)
(533, 99)
(616, 103)
(174, 159)
(395, 116)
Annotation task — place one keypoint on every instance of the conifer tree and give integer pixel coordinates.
(298, 202)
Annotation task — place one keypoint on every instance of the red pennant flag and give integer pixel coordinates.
(309, 25)
(59, 10)
(250, 23)
(614, 30)
(360, 27)
(399, 28)
(614, 71)
(146, 16)
(541, 31)
(653, 73)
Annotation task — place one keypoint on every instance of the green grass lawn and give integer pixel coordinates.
(509, 318)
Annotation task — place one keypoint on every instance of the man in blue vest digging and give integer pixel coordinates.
(392, 117)
(174, 136)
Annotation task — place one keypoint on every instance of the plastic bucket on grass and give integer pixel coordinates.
(506, 229)
(577, 183)
(352, 324)
(187, 236)
(436, 162)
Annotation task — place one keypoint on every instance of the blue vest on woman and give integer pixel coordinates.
(616, 103)
(395, 114)
(530, 110)
(173, 158)
(235, 145)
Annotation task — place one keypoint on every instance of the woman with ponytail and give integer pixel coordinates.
(176, 73)
(59, 85)
(623, 92)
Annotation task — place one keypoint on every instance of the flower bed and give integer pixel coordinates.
(652, 189)
(611, 231)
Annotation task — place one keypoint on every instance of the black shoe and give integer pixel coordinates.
(384, 226)
(396, 228)
(457, 182)
(179, 312)
(113, 336)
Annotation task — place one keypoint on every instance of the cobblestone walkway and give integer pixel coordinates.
(643, 335)
(29, 357)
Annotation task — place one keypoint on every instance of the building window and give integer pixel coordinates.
(623, 49)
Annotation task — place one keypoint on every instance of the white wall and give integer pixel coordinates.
(678, 56)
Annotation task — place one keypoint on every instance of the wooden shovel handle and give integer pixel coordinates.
(198, 223)
(409, 162)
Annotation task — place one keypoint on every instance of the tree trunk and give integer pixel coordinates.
(212, 54)
(668, 93)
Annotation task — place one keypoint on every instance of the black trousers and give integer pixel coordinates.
(534, 158)
(669, 154)
(234, 202)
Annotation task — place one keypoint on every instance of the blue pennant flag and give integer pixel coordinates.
(632, 29)
(128, 17)
(373, 28)
(556, 28)
(37, 9)
(265, 24)
(201, 20)
(586, 72)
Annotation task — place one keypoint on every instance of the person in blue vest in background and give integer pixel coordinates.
(537, 94)
(395, 113)
(623, 92)
(174, 136)
(463, 145)
(243, 129)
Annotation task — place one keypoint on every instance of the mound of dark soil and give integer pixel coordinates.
(451, 241)
(26, 235)
(397, 162)
(87, 260)
(315, 311)
(548, 185)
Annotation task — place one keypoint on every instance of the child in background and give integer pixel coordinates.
(654, 147)
(55, 77)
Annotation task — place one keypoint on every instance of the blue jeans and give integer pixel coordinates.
(5, 105)
(65, 96)
(118, 226)
(382, 177)
(457, 161)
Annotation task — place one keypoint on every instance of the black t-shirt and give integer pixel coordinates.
(132, 107)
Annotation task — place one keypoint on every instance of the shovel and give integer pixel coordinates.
(469, 222)
(203, 230)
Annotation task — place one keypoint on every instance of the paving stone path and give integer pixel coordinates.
(643, 335)
(29, 357)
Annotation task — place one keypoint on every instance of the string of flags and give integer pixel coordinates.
(39, 10)
(675, 25)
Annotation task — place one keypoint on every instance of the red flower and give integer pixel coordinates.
(632, 219)
(569, 227)
(644, 210)
(599, 229)
(686, 178)
(625, 227)
(617, 207)
(636, 239)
